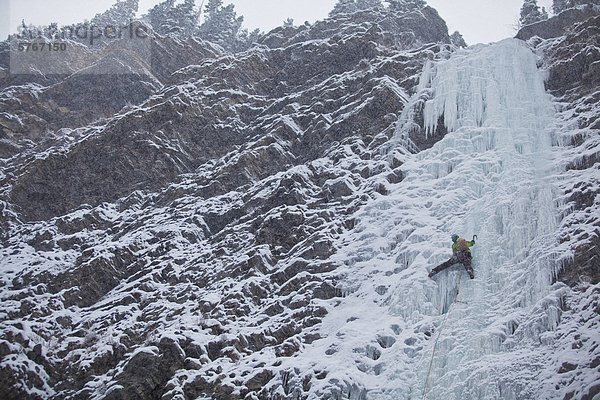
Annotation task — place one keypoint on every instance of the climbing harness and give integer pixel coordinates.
(426, 387)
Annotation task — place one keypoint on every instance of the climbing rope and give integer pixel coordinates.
(426, 387)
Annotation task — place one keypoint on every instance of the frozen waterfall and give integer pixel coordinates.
(491, 175)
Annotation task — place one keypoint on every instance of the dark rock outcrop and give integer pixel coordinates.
(38, 107)
(559, 24)
(205, 115)
(161, 238)
(572, 62)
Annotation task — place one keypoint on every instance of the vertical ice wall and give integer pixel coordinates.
(490, 176)
(493, 101)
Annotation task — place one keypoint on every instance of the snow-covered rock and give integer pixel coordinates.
(260, 226)
(182, 247)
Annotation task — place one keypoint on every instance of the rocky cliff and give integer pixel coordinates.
(173, 234)
(169, 235)
(571, 58)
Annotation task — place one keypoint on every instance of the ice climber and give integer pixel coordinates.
(461, 254)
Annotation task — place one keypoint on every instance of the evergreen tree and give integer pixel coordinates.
(30, 31)
(119, 15)
(254, 35)
(221, 24)
(457, 39)
(213, 6)
(246, 39)
(559, 6)
(368, 4)
(160, 17)
(288, 22)
(187, 16)
(51, 31)
(233, 22)
(179, 20)
(531, 13)
(343, 7)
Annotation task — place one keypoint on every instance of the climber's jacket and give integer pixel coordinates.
(462, 246)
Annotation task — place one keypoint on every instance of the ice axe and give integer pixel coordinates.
(474, 237)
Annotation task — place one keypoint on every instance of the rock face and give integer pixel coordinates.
(155, 244)
(126, 153)
(559, 24)
(572, 59)
(39, 108)
(573, 63)
(178, 240)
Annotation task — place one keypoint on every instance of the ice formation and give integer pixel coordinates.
(491, 175)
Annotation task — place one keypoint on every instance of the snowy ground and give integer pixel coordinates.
(493, 175)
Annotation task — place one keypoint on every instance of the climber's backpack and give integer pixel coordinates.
(462, 245)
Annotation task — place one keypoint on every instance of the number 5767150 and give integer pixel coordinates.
(26, 46)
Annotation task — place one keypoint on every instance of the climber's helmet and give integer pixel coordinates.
(454, 238)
